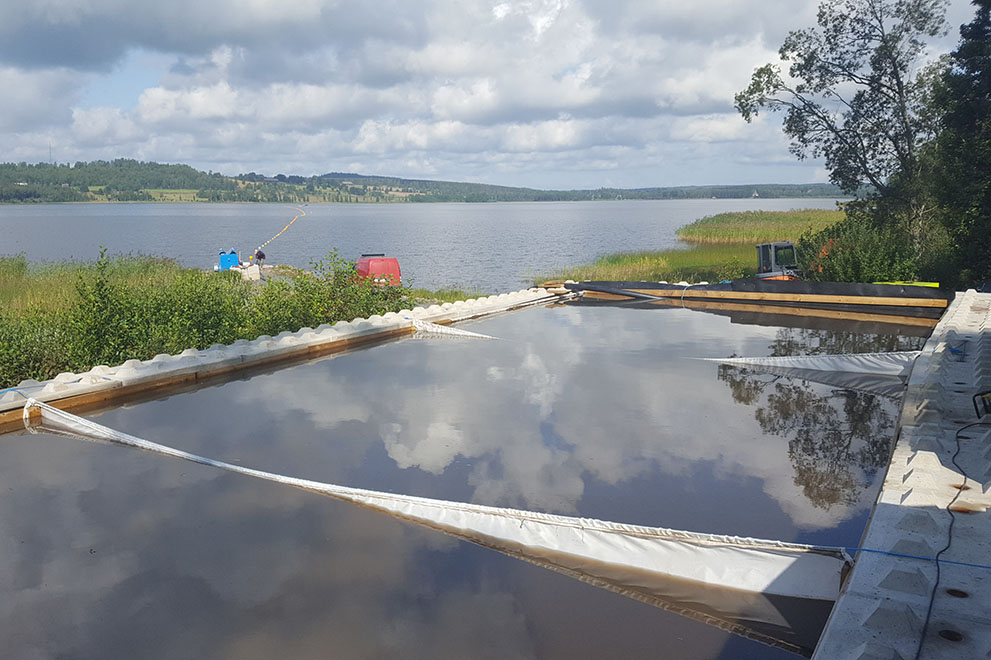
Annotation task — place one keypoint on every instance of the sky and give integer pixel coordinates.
(555, 94)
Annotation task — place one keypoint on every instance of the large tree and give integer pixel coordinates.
(962, 153)
(852, 94)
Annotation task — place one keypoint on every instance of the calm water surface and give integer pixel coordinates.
(489, 247)
(592, 411)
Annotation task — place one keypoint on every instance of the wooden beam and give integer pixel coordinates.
(801, 311)
(690, 293)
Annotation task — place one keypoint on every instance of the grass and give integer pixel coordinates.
(52, 287)
(722, 248)
(71, 316)
(752, 227)
(709, 263)
(428, 297)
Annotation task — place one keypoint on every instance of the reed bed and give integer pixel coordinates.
(710, 263)
(722, 248)
(752, 227)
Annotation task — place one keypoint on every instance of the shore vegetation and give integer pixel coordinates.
(721, 247)
(72, 316)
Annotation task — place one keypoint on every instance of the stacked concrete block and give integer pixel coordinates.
(935, 500)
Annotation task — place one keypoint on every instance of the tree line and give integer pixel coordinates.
(909, 136)
(131, 180)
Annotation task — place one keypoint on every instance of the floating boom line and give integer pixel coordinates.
(746, 586)
(298, 216)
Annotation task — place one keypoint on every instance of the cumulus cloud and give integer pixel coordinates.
(546, 93)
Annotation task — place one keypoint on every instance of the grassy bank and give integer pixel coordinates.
(722, 248)
(73, 316)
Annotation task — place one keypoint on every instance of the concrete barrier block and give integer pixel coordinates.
(912, 582)
(875, 651)
(894, 619)
(919, 522)
(914, 547)
(11, 401)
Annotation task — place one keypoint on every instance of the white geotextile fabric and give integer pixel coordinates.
(629, 557)
(898, 363)
(426, 327)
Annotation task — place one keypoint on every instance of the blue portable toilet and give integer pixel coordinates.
(228, 260)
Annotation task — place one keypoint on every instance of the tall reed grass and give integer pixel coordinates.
(722, 247)
(752, 227)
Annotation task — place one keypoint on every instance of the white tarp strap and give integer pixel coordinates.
(897, 363)
(579, 545)
(426, 327)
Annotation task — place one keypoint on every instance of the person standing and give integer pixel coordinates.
(259, 258)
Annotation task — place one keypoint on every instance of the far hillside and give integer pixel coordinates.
(126, 180)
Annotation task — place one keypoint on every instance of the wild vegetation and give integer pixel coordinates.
(73, 316)
(723, 248)
(752, 227)
(911, 139)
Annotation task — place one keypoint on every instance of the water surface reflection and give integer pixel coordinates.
(586, 411)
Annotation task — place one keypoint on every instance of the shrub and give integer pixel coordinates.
(856, 250)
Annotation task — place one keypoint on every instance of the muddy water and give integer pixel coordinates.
(590, 411)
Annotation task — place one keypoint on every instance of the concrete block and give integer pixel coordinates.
(912, 582)
(895, 619)
(875, 651)
(919, 522)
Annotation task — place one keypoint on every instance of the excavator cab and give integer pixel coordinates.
(777, 261)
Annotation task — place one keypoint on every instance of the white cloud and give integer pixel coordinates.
(545, 93)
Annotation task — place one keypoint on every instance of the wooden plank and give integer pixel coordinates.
(601, 295)
(794, 297)
(801, 311)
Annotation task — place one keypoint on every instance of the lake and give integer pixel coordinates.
(489, 248)
(588, 410)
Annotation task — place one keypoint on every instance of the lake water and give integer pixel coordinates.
(491, 248)
(594, 411)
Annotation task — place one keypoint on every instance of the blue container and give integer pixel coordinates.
(227, 260)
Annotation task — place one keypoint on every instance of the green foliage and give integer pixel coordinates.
(856, 250)
(138, 307)
(32, 346)
(132, 180)
(330, 291)
(427, 297)
(851, 96)
(13, 267)
(103, 322)
(962, 153)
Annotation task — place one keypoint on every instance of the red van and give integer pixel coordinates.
(383, 270)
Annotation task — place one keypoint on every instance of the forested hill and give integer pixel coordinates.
(132, 180)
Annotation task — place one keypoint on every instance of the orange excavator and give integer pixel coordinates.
(777, 261)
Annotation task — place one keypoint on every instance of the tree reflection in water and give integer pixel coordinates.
(836, 442)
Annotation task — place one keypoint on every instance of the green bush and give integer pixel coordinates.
(856, 250)
(138, 307)
(330, 292)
